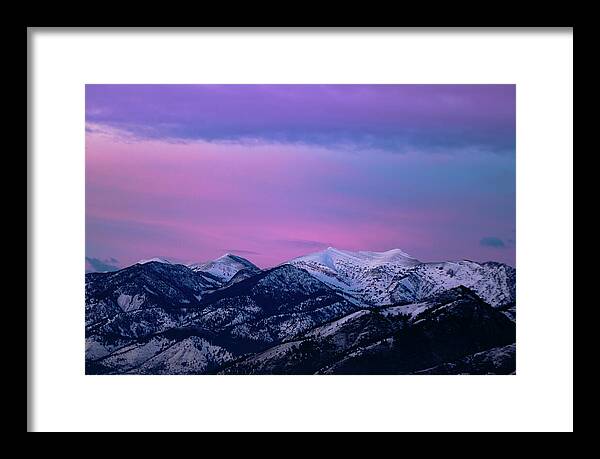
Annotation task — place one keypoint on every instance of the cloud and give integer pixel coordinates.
(98, 265)
(394, 118)
(241, 252)
(492, 241)
(303, 244)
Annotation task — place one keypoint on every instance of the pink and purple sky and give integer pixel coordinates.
(271, 172)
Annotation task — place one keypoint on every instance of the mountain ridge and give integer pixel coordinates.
(225, 267)
(393, 276)
(303, 316)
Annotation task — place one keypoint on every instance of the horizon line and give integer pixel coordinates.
(188, 264)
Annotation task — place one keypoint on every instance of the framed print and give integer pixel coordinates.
(300, 229)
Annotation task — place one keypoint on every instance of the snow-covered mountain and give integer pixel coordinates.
(271, 306)
(494, 282)
(143, 286)
(155, 259)
(135, 314)
(225, 267)
(139, 301)
(162, 354)
(380, 278)
(448, 328)
(334, 311)
(365, 276)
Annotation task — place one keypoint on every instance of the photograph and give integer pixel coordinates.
(300, 229)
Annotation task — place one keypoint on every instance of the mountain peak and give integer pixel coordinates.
(225, 267)
(362, 274)
(155, 259)
(236, 258)
(330, 254)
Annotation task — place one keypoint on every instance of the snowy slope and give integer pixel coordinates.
(273, 305)
(449, 326)
(379, 278)
(126, 325)
(225, 267)
(143, 286)
(163, 354)
(493, 282)
(456, 324)
(192, 355)
(364, 275)
(156, 259)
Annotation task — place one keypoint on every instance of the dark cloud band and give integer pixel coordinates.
(395, 118)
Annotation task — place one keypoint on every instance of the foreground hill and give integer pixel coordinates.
(447, 327)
